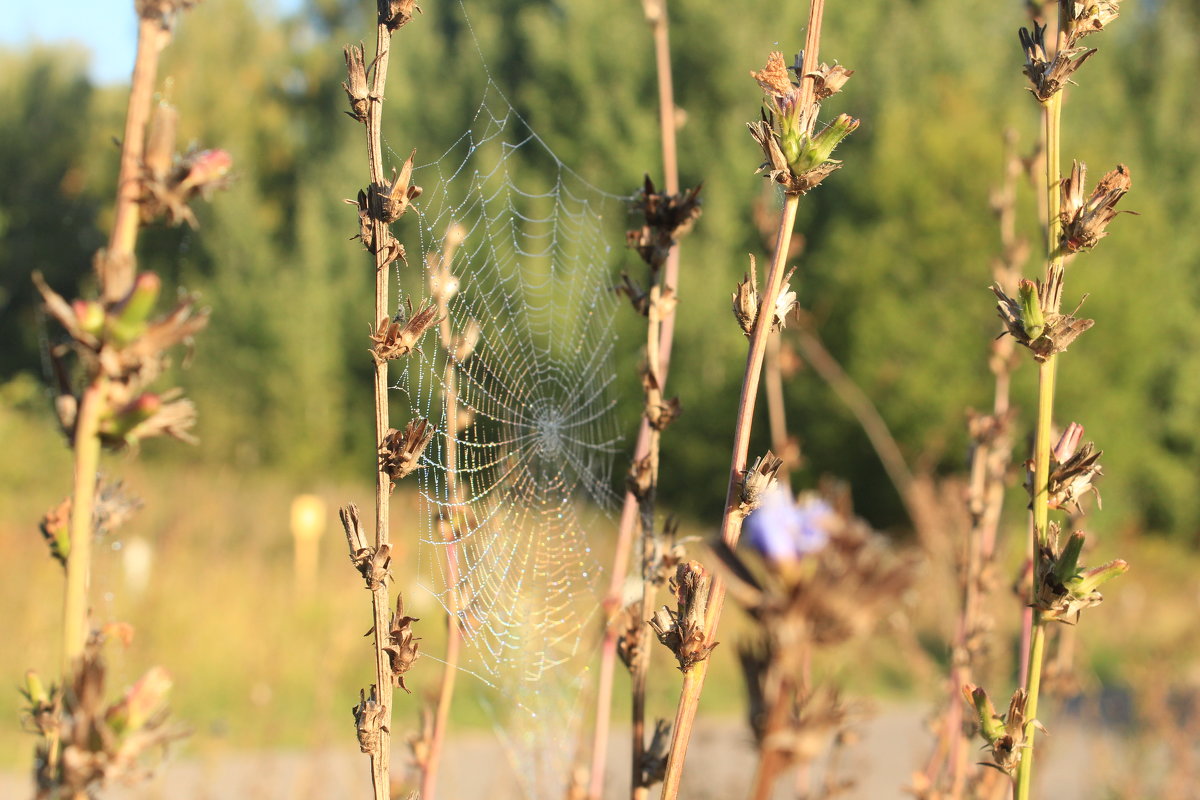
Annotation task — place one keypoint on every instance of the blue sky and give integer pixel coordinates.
(105, 28)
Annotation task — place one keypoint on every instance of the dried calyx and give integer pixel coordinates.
(398, 337)
(747, 301)
(1074, 468)
(1048, 74)
(668, 217)
(684, 631)
(1005, 735)
(1064, 588)
(1085, 218)
(400, 451)
(1033, 321)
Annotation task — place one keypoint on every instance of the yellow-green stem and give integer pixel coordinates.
(1036, 652)
(79, 557)
(1051, 117)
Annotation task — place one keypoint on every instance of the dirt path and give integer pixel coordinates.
(720, 765)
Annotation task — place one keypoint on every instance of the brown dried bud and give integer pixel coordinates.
(161, 10)
(757, 480)
(827, 80)
(392, 199)
(1084, 221)
(400, 451)
(356, 83)
(1048, 76)
(746, 299)
(640, 478)
(1090, 17)
(370, 720)
(398, 338)
(402, 648)
(371, 562)
(390, 247)
(684, 632)
(659, 412)
(668, 217)
(395, 14)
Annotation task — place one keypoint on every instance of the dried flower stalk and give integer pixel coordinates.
(1060, 587)
(659, 20)
(399, 452)
(804, 163)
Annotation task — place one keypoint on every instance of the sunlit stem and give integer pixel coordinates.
(79, 557)
(1051, 117)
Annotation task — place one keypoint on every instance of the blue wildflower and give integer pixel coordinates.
(782, 530)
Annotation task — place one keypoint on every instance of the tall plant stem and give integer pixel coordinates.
(116, 279)
(380, 600)
(731, 523)
(1051, 118)
(79, 557)
(656, 15)
(641, 665)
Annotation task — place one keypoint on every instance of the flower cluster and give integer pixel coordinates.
(1050, 67)
(797, 157)
(88, 741)
(122, 346)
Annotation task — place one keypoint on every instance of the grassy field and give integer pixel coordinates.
(261, 664)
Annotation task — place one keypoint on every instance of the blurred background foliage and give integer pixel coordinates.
(895, 268)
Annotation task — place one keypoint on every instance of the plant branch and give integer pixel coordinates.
(117, 277)
(658, 18)
(731, 522)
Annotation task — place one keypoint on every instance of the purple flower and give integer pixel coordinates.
(782, 530)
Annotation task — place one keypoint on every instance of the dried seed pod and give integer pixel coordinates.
(1085, 220)
(746, 299)
(759, 479)
(827, 80)
(395, 14)
(397, 338)
(402, 648)
(356, 83)
(1047, 76)
(400, 451)
(668, 217)
(684, 632)
(370, 720)
(391, 200)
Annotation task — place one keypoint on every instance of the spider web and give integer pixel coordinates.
(519, 471)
